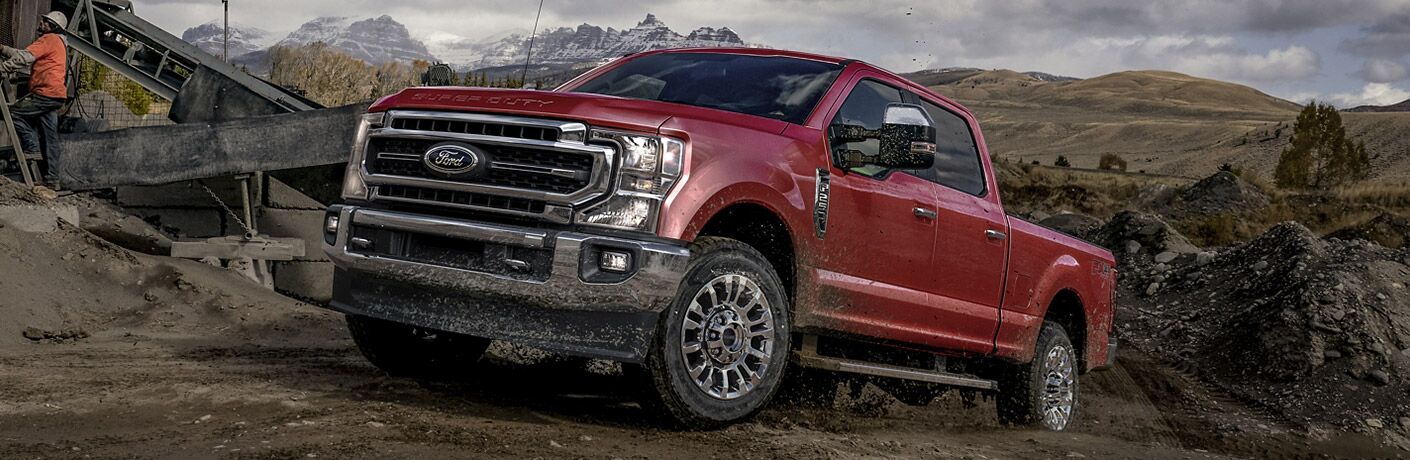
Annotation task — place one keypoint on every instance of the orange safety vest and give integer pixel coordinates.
(50, 66)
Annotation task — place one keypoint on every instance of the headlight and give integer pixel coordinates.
(650, 166)
(353, 186)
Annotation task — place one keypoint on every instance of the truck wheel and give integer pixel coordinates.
(1044, 391)
(407, 351)
(721, 351)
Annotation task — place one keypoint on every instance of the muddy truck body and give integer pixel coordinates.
(732, 224)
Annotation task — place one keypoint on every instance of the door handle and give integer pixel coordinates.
(924, 213)
(995, 235)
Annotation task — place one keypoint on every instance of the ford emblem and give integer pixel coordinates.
(452, 159)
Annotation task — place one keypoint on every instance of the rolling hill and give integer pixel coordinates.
(1159, 122)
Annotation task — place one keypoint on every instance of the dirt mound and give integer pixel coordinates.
(1386, 229)
(61, 283)
(1071, 223)
(1224, 192)
(1131, 234)
(1316, 330)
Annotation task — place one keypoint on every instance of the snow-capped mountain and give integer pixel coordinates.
(585, 43)
(383, 39)
(374, 40)
(210, 37)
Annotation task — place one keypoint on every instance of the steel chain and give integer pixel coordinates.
(233, 215)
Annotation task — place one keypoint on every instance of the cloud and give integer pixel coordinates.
(1205, 56)
(1388, 37)
(1371, 94)
(1382, 71)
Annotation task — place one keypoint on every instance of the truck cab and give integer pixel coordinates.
(734, 223)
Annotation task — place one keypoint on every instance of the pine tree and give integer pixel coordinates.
(1321, 155)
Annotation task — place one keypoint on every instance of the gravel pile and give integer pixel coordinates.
(1315, 329)
(1386, 229)
(1221, 193)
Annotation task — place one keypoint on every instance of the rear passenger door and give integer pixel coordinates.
(971, 240)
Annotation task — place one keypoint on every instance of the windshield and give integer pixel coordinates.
(782, 88)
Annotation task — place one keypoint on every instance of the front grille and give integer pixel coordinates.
(517, 167)
(476, 127)
(475, 200)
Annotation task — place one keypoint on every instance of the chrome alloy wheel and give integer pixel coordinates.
(1059, 388)
(727, 336)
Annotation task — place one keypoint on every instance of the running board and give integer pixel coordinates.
(808, 356)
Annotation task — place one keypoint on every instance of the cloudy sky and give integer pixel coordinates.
(1348, 52)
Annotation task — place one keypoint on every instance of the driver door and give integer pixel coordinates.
(875, 278)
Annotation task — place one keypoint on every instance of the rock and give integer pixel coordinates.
(1260, 266)
(46, 193)
(1133, 247)
(1165, 257)
(1151, 290)
(585, 438)
(1405, 422)
(1379, 377)
(1374, 423)
(34, 333)
(554, 444)
(1161, 268)
(1332, 354)
(376, 424)
(211, 260)
(1204, 258)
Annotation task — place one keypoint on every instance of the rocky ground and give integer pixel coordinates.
(111, 353)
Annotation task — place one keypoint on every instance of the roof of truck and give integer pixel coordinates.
(751, 52)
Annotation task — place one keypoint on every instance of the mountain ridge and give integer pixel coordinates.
(382, 39)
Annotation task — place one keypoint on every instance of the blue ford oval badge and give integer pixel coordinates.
(451, 159)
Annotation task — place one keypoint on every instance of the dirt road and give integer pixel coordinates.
(305, 393)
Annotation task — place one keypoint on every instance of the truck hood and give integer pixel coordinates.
(596, 110)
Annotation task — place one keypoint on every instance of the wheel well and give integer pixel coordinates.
(1066, 310)
(760, 228)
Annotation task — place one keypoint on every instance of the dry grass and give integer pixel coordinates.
(1386, 195)
(1028, 189)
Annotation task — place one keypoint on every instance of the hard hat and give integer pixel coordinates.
(57, 18)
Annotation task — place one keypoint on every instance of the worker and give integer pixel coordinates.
(47, 62)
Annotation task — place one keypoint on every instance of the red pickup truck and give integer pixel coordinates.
(729, 223)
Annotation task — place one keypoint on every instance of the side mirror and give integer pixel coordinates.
(907, 138)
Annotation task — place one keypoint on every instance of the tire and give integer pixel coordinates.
(715, 361)
(407, 351)
(1042, 393)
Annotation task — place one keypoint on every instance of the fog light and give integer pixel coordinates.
(614, 261)
(330, 225)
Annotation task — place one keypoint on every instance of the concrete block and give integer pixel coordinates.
(190, 223)
(291, 223)
(38, 219)
(306, 280)
(187, 194)
(282, 196)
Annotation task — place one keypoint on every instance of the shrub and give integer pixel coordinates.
(1062, 162)
(1112, 162)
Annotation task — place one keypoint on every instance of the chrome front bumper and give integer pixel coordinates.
(562, 311)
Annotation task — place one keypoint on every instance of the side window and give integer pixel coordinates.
(865, 106)
(957, 162)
